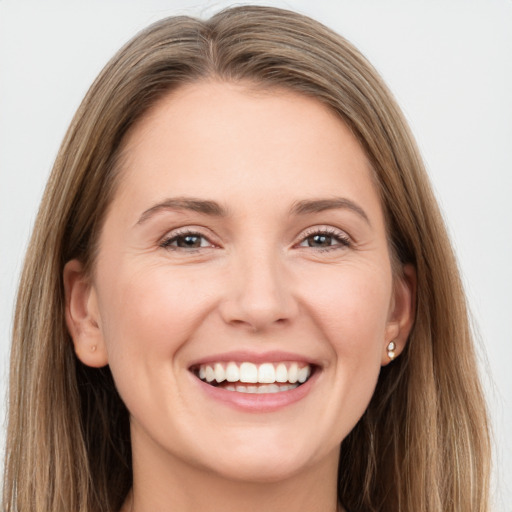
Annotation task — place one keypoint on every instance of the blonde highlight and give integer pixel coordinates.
(67, 422)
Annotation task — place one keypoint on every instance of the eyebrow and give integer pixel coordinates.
(320, 205)
(185, 203)
(214, 209)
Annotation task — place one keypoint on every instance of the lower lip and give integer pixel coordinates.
(258, 402)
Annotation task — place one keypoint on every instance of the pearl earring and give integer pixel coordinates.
(391, 350)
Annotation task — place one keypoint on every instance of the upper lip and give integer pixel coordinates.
(240, 356)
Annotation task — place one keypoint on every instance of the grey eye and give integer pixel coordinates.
(186, 241)
(189, 241)
(319, 240)
(325, 240)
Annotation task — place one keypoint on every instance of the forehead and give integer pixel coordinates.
(217, 136)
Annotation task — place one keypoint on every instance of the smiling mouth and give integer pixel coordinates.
(246, 377)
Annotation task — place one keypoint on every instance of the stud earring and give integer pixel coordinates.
(93, 348)
(391, 350)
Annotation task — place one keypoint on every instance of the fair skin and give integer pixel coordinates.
(246, 228)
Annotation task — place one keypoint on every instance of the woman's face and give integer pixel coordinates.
(245, 246)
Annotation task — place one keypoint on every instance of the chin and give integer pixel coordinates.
(262, 469)
(269, 459)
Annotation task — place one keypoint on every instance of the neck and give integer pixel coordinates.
(226, 498)
(174, 485)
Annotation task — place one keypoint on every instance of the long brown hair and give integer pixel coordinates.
(422, 444)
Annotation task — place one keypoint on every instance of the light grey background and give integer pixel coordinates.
(448, 62)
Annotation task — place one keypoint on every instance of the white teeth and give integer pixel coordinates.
(281, 373)
(266, 373)
(248, 373)
(220, 373)
(232, 373)
(253, 389)
(210, 374)
(293, 373)
(304, 373)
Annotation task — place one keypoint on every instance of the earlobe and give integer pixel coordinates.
(82, 316)
(401, 316)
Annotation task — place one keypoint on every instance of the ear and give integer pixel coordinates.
(401, 314)
(82, 316)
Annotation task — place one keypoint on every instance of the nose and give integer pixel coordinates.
(259, 294)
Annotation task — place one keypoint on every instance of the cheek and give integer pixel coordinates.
(351, 304)
(355, 310)
(150, 313)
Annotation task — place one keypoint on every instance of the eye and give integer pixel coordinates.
(186, 240)
(325, 238)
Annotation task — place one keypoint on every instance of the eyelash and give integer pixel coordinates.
(168, 242)
(342, 239)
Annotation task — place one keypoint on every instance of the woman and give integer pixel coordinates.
(245, 281)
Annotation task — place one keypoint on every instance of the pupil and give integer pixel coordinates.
(320, 241)
(189, 241)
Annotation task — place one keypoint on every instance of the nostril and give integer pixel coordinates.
(257, 315)
(258, 325)
(258, 294)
